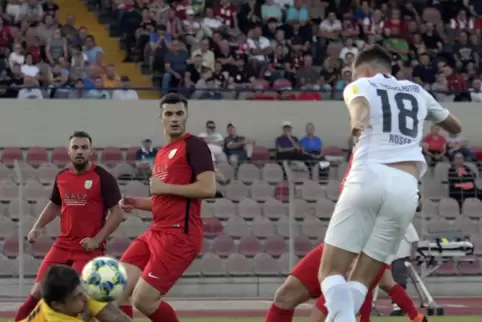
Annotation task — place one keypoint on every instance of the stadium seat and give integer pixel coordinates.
(236, 191)
(465, 225)
(123, 171)
(15, 211)
(283, 227)
(207, 246)
(212, 227)
(340, 171)
(301, 209)
(236, 227)
(282, 191)
(8, 191)
(135, 188)
(6, 173)
(312, 228)
(111, 156)
(249, 246)
(302, 246)
(118, 245)
(7, 227)
(275, 246)
(7, 267)
(263, 228)
(261, 191)
(449, 208)
(223, 209)
(34, 190)
(41, 246)
(10, 154)
(60, 157)
(131, 156)
(333, 190)
(324, 208)
(207, 209)
(249, 209)
(213, 265)
(27, 173)
(226, 170)
(47, 173)
(31, 265)
(239, 265)
(265, 265)
(223, 245)
(272, 173)
(194, 269)
(472, 208)
(430, 209)
(441, 170)
(37, 156)
(311, 191)
(260, 155)
(248, 173)
(437, 224)
(274, 209)
(299, 172)
(10, 246)
(333, 153)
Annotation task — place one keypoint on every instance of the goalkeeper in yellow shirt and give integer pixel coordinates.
(64, 299)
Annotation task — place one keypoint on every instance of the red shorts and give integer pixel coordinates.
(320, 302)
(307, 271)
(163, 256)
(76, 258)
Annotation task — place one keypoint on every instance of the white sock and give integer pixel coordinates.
(358, 292)
(339, 302)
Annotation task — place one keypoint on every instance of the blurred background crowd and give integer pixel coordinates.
(206, 49)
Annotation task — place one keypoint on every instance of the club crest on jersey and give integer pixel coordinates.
(354, 89)
(172, 153)
(88, 184)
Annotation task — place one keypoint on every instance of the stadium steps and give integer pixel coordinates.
(113, 53)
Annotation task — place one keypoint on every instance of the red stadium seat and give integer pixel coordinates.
(282, 191)
(265, 265)
(10, 155)
(249, 246)
(47, 173)
(212, 227)
(10, 246)
(37, 156)
(223, 245)
(275, 246)
(112, 156)
(282, 83)
(60, 157)
(131, 155)
(94, 157)
(302, 246)
(260, 155)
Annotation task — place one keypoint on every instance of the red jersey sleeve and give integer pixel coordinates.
(55, 195)
(198, 155)
(109, 188)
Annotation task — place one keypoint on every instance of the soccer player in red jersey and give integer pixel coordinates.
(183, 174)
(83, 194)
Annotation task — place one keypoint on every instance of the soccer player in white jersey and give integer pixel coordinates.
(381, 191)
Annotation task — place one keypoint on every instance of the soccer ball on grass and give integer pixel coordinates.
(104, 278)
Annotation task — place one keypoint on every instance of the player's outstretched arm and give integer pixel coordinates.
(111, 313)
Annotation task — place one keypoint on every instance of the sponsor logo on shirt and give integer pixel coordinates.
(75, 199)
(172, 153)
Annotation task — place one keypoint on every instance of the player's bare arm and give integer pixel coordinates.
(204, 187)
(49, 213)
(111, 313)
(115, 218)
(451, 124)
(359, 109)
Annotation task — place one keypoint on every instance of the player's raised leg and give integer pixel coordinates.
(301, 285)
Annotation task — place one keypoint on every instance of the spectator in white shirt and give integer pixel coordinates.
(259, 46)
(125, 94)
(349, 49)
(214, 140)
(29, 69)
(29, 92)
(330, 27)
(476, 91)
(16, 56)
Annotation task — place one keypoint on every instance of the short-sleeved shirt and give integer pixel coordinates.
(311, 144)
(398, 109)
(180, 162)
(435, 143)
(283, 141)
(84, 199)
(43, 313)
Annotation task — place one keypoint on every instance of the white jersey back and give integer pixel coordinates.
(398, 109)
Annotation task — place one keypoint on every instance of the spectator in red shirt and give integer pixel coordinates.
(395, 22)
(434, 145)
(456, 83)
(227, 12)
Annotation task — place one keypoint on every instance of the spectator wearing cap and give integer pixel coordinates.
(125, 93)
(287, 145)
(145, 158)
(175, 66)
(237, 147)
(259, 46)
(215, 141)
(208, 59)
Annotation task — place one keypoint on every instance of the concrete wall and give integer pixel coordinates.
(49, 123)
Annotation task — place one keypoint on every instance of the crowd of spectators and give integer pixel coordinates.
(42, 57)
(303, 45)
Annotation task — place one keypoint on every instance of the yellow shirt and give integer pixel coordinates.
(43, 313)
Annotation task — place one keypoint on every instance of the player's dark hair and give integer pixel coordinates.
(173, 98)
(81, 135)
(59, 282)
(374, 54)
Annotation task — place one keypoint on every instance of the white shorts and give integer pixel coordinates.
(374, 211)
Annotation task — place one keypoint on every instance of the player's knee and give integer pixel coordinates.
(35, 292)
(146, 298)
(387, 282)
(291, 294)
